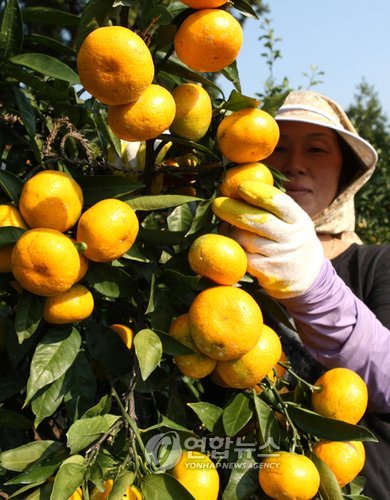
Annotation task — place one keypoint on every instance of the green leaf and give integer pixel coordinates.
(101, 408)
(329, 486)
(27, 112)
(328, 428)
(243, 481)
(69, 477)
(182, 71)
(10, 235)
(208, 413)
(190, 144)
(48, 399)
(53, 356)
(49, 16)
(231, 73)
(80, 387)
(159, 202)
(163, 487)
(110, 281)
(160, 13)
(11, 185)
(237, 414)
(19, 458)
(172, 346)
(50, 43)
(99, 187)
(47, 65)
(28, 315)
(238, 101)
(11, 33)
(268, 426)
(84, 432)
(93, 16)
(148, 348)
(44, 467)
(12, 420)
(245, 8)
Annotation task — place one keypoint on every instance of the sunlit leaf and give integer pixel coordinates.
(47, 65)
(28, 315)
(208, 413)
(84, 432)
(69, 477)
(237, 414)
(148, 348)
(19, 458)
(163, 487)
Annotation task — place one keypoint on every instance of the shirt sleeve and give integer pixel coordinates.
(338, 329)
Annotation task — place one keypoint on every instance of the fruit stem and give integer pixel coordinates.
(81, 247)
(287, 367)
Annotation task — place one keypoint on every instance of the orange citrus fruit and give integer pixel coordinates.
(193, 111)
(198, 474)
(84, 263)
(225, 322)
(344, 458)
(195, 365)
(77, 495)
(248, 135)
(145, 118)
(343, 395)
(115, 65)
(219, 258)
(125, 333)
(289, 476)
(108, 228)
(51, 199)
(253, 366)
(208, 40)
(246, 172)
(73, 305)
(204, 4)
(9, 216)
(45, 262)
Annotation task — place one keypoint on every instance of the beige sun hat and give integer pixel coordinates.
(311, 107)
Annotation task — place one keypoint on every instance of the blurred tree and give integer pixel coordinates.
(373, 201)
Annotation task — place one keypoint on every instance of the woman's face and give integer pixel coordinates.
(310, 157)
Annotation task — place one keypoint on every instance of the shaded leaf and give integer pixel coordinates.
(243, 481)
(44, 467)
(236, 414)
(47, 65)
(12, 420)
(231, 73)
(100, 187)
(53, 356)
(49, 16)
(148, 348)
(208, 413)
(110, 281)
(10, 235)
(328, 428)
(50, 43)
(160, 238)
(163, 487)
(11, 185)
(238, 101)
(245, 8)
(182, 71)
(93, 17)
(11, 32)
(268, 426)
(28, 315)
(121, 484)
(27, 112)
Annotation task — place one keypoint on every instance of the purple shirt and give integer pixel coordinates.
(338, 330)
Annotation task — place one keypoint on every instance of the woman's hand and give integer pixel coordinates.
(283, 250)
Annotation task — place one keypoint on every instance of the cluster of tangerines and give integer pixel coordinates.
(224, 327)
(52, 255)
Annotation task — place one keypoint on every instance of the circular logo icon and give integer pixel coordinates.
(164, 450)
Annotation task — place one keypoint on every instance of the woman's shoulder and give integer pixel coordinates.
(366, 252)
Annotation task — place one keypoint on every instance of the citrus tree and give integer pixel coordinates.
(135, 357)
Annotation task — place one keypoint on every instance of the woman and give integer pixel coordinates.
(335, 288)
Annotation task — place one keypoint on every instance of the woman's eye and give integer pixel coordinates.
(317, 149)
(280, 149)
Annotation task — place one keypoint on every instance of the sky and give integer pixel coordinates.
(346, 39)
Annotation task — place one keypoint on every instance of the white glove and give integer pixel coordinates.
(284, 252)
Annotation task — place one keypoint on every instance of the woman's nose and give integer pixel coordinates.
(293, 165)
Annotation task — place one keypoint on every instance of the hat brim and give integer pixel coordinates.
(363, 149)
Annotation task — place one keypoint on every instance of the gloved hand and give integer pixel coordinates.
(283, 250)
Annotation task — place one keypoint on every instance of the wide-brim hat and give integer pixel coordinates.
(311, 107)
